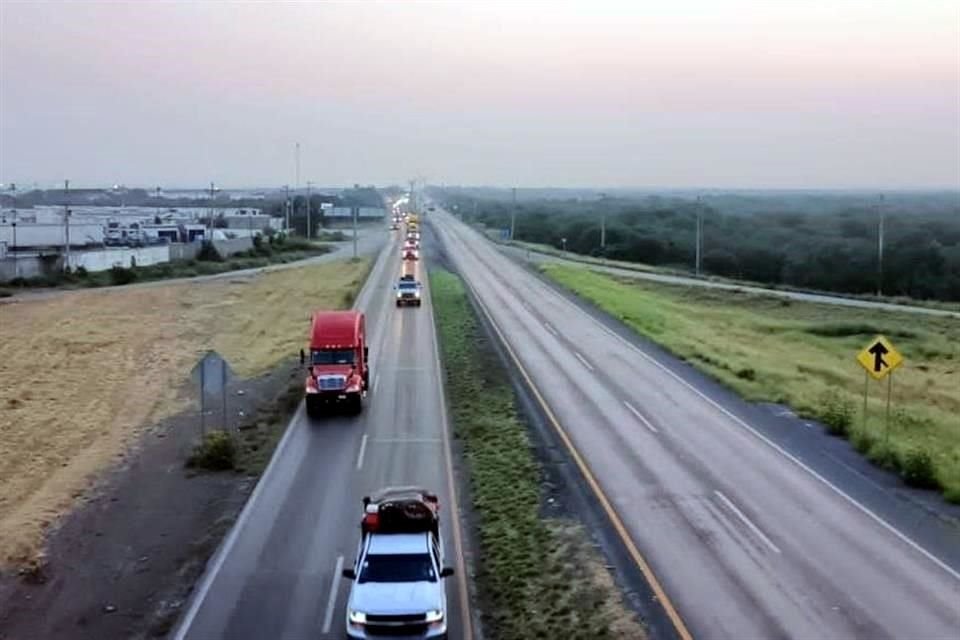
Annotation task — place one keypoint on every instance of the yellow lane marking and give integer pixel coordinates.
(645, 568)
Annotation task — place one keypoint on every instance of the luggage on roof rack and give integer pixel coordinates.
(401, 510)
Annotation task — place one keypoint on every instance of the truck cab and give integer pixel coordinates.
(337, 363)
(398, 575)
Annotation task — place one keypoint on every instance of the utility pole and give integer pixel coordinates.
(296, 186)
(13, 223)
(210, 214)
(699, 236)
(309, 233)
(286, 208)
(66, 224)
(603, 224)
(158, 201)
(881, 215)
(513, 215)
(356, 212)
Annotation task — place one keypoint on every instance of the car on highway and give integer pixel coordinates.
(338, 370)
(410, 253)
(398, 574)
(408, 292)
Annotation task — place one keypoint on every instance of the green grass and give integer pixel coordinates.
(802, 354)
(537, 576)
(688, 273)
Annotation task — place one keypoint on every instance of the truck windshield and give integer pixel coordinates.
(331, 356)
(408, 286)
(406, 567)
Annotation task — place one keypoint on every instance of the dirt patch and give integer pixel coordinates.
(83, 373)
(123, 564)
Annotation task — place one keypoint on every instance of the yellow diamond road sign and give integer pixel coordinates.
(879, 358)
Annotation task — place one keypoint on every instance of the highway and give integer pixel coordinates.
(801, 296)
(748, 534)
(277, 574)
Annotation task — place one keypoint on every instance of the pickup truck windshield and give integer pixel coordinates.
(407, 567)
(331, 356)
(408, 286)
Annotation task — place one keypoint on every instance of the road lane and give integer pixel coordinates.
(278, 576)
(748, 542)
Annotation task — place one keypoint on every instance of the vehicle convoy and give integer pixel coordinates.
(338, 370)
(410, 253)
(409, 291)
(398, 574)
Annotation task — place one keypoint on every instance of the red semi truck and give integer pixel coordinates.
(338, 370)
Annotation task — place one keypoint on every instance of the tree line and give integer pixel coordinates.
(831, 250)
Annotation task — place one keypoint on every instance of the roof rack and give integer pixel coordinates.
(401, 510)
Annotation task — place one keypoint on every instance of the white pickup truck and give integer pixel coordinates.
(398, 587)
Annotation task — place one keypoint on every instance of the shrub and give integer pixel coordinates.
(209, 253)
(918, 470)
(836, 413)
(216, 452)
(862, 440)
(952, 495)
(884, 456)
(82, 272)
(747, 374)
(122, 275)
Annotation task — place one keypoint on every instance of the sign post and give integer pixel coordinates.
(212, 373)
(878, 359)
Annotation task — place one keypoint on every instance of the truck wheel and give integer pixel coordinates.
(355, 404)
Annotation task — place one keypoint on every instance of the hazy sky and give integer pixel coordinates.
(668, 93)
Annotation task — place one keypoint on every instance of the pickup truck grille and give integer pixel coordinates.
(411, 617)
(331, 383)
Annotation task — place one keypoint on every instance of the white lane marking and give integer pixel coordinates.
(224, 550)
(332, 601)
(550, 328)
(640, 417)
(376, 379)
(231, 539)
(773, 445)
(583, 361)
(363, 447)
(745, 520)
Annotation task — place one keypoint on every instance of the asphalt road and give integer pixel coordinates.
(277, 573)
(748, 539)
(822, 298)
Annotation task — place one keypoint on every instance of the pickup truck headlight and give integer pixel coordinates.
(434, 616)
(358, 617)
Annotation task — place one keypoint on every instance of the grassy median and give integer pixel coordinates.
(538, 576)
(802, 354)
(84, 372)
